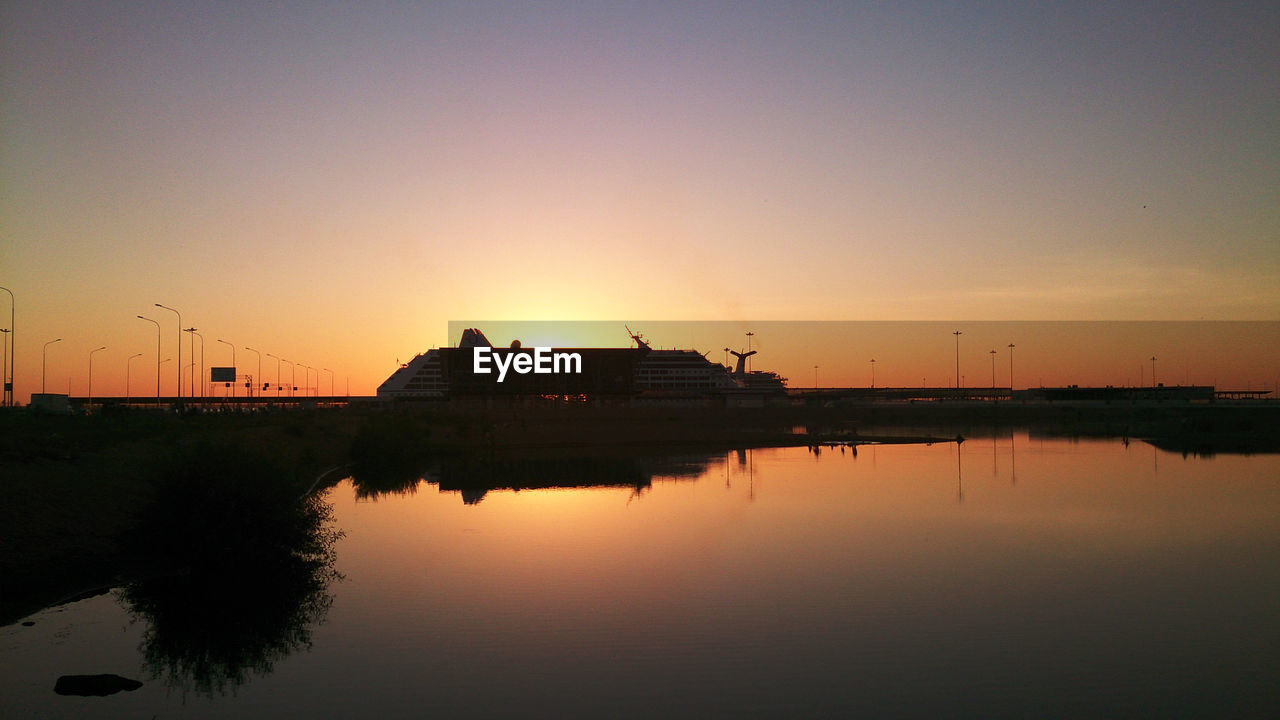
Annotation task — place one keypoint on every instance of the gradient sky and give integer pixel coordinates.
(333, 183)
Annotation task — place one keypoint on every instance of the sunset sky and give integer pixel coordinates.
(333, 183)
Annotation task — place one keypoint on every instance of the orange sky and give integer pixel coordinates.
(1237, 355)
(334, 184)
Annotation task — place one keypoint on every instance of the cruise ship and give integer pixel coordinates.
(637, 375)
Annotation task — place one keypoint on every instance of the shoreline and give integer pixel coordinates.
(75, 485)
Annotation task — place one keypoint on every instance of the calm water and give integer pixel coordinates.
(1012, 577)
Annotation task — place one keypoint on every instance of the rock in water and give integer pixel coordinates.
(99, 685)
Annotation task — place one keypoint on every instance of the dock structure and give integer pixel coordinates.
(1072, 394)
(257, 402)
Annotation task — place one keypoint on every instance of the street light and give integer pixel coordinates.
(1153, 371)
(277, 357)
(259, 375)
(128, 370)
(993, 369)
(175, 312)
(44, 355)
(873, 373)
(233, 364)
(157, 354)
(89, 400)
(4, 364)
(293, 376)
(957, 334)
(12, 354)
(1011, 367)
(815, 377)
(330, 380)
(306, 390)
(195, 335)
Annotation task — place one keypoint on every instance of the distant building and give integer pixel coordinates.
(53, 403)
(1158, 395)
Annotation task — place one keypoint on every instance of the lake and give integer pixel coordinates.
(1008, 576)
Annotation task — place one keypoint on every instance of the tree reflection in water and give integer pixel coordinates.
(250, 562)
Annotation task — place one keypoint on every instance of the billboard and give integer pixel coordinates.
(222, 374)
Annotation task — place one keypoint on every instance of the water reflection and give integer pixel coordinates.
(1092, 588)
(473, 476)
(245, 568)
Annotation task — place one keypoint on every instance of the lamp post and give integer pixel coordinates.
(175, 312)
(277, 357)
(1010, 367)
(12, 353)
(158, 364)
(293, 375)
(4, 366)
(157, 354)
(330, 381)
(873, 373)
(957, 334)
(307, 380)
(259, 375)
(815, 377)
(128, 370)
(1153, 371)
(195, 335)
(233, 364)
(44, 356)
(89, 394)
(993, 369)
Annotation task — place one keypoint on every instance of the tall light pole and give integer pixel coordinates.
(258, 378)
(306, 390)
(157, 354)
(12, 354)
(277, 357)
(4, 367)
(993, 369)
(293, 376)
(749, 336)
(330, 381)
(195, 335)
(873, 373)
(89, 394)
(1010, 367)
(44, 356)
(175, 312)
(1153, 371)
(957, 334)
(815, 377)
(128, 374)
(233, 364)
